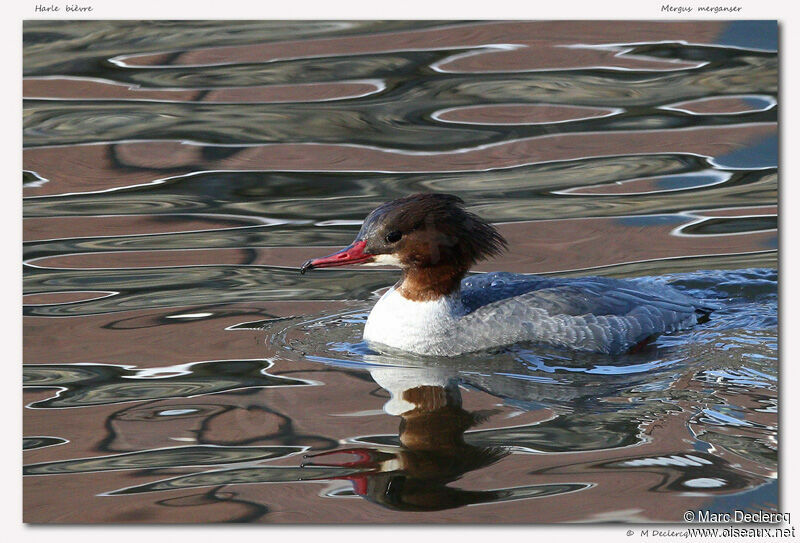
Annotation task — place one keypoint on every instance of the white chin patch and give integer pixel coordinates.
(384, 260)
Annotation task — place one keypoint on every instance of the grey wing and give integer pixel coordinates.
(485, 288)
(591, 314)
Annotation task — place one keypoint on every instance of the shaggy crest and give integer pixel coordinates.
(453, 232)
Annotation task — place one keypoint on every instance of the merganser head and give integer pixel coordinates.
(430, 236)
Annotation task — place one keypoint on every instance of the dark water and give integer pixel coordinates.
(178, 368)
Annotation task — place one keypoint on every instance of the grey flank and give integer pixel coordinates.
(589, 314)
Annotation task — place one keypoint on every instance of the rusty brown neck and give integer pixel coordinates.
(430, 283)
(437, 422)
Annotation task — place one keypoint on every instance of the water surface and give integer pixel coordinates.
(178, 368)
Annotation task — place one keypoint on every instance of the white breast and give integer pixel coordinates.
(418, 327)
(398, 380)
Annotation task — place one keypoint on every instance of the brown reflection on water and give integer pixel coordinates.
(81, 168)
(543, 43)
(150, 338)
(535, 246)
(578, 244)
(70, 89)
(155, 200)
(41, 228)
(432, 451)
(709, 106)
(47, 298)
(437, 466)
(521, 114)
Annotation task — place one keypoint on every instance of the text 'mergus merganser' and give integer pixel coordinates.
(434, 310)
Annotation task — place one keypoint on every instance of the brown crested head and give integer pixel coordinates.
(429, 230)
(430, 236)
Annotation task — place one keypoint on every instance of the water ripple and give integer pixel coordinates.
(176, 173)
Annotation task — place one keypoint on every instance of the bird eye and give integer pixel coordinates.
(393, 237)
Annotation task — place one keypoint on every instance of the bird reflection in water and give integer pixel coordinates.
(603, 439)
(416, 476)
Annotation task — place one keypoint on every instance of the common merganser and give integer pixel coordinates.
(435, 310)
